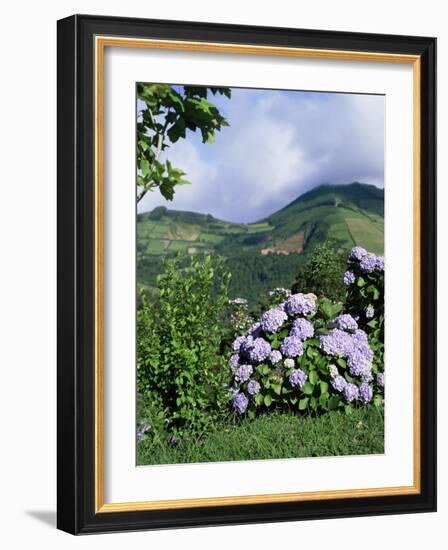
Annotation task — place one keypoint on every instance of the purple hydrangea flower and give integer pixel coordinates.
(337, 342)
(237, 343)
(273, 319)
(142, 430)
(349, 278)
(380, 379)
(368, 263)
(359, 364)
(275, 357)
(298, 378)
(370, 312)
(346, 322)
(301, 304)
(350, 392)
(302, 329)
(260, 350)
(379, 263)
(243, 373)
(365, 393)
(360, 338)
(234, 362)
(357, 253)
(338, 382)
(366, 376)
(291, 347)
(361, 344)
(240, 402)
(253, 387)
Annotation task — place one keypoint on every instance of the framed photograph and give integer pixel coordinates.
(246, 274)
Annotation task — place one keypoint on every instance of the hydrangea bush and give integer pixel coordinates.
(311, 354)
(365, 299)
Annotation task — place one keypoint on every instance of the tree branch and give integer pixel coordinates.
(160, 139)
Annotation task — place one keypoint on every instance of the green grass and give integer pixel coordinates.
(367, 234)
(274, 435)
(157, 247)
(211, 238)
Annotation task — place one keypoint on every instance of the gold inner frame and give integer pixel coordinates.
(101, 42)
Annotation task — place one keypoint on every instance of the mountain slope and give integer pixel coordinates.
(267, 253)
(349, 214)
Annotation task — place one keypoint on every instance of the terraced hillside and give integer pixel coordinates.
(274, 247)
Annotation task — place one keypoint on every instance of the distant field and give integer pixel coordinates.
(348, 214)
(367, 234)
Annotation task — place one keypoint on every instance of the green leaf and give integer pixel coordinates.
(377, 400)
(323, 400)
(277, 388)
(145, 167)
(258, 399)
(303, 403)
(264, 369)
(333, 402)
(307, 388)
(312, 342)
(336, 308)
(323, 388)
(313, 377)
(267, 400)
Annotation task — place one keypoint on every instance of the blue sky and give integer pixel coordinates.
(279, 145)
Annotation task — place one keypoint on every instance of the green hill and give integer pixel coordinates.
(267, 253)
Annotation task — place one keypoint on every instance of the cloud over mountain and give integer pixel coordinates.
(279, 145)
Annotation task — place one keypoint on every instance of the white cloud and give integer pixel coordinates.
(278, 146)
(199, 172)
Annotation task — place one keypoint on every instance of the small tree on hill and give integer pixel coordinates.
(322, 272)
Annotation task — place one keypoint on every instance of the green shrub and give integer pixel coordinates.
(178, 342)
(322, 272)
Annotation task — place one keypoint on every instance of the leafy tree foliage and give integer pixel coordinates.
(253, 275)
(169, 111)
(179, 367)
(322, 272)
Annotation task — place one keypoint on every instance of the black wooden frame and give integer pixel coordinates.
(75, 403)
